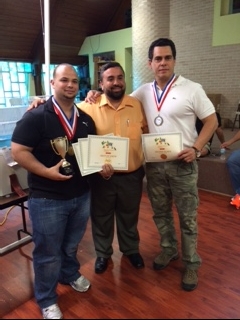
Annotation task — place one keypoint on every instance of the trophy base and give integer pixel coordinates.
(67, 170)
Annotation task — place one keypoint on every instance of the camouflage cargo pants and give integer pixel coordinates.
(175, 182)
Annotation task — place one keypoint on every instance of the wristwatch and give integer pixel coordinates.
(197, 152)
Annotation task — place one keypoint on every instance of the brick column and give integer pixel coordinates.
(150, 20)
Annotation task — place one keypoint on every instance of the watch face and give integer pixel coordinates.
(198, 154)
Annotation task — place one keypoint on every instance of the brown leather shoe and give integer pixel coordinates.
(101, 264)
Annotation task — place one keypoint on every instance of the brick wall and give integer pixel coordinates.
(216, 68)
(189, 23)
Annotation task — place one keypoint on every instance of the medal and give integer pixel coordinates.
(158, 121)
(69, 126)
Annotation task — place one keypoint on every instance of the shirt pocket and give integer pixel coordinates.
(134, 130)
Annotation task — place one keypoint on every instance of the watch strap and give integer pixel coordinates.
(196, 149)
(197, 152)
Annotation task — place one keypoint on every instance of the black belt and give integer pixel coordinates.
(125, 173)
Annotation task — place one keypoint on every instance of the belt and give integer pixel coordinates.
(125, 173)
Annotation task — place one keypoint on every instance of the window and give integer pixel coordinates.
(234, 6)
(230, 7)
(14, 80)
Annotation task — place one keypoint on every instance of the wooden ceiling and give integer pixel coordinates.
(71, 21)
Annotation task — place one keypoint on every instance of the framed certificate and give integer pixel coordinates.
(108, 149)
(161, 147)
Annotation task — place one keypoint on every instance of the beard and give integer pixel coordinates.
(115, 95)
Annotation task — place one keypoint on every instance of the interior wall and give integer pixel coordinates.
(128, 70)
(226, 27)
(150, 21)
(216, 68)
(116, 41)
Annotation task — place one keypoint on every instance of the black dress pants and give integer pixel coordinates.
(115, 203)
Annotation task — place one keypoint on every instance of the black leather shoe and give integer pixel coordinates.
(136, 260)
(101, 264)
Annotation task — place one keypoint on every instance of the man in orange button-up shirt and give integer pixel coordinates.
(120, 194)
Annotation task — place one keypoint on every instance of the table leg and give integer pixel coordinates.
(24, 229)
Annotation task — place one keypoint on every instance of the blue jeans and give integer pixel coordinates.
(233, 165)
(58, 227)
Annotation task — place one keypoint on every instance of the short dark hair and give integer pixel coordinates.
(162, 42)
(108, 65)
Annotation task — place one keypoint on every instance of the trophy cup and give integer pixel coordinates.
(60, 147)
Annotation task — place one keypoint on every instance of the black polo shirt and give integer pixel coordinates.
(36, 129)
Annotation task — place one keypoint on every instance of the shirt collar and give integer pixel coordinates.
(126, 101)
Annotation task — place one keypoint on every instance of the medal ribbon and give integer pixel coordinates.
(69, 129)
(159, 100)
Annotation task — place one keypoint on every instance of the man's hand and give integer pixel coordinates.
(36, 102)
(107, 171)
(92, 96)
(187, 155)
(225, 145)
(53, 173)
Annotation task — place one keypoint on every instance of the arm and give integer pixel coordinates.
(219, 131)
(24, 157)
(36, 102)
(210, 124)
(220, 134)
(232, 140)
(206, 150)
(92, 96)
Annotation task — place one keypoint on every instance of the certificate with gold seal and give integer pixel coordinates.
(113, 150)
(161, 147)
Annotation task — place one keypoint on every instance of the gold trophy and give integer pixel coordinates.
(60, 147)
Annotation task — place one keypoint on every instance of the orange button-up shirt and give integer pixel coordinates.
(128, 120)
